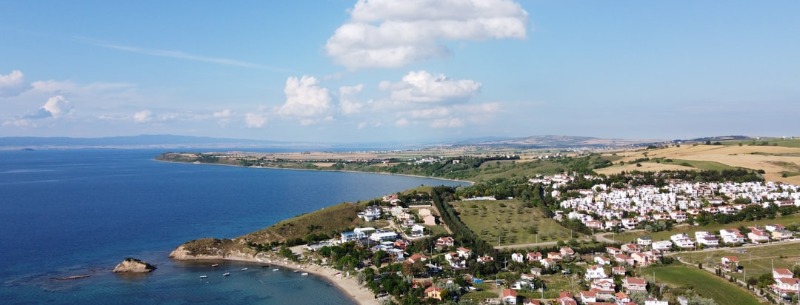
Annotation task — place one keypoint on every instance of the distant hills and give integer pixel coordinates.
(141, 141)
(554, 141)
(188, 142)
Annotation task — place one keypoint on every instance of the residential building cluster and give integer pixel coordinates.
(604, 208)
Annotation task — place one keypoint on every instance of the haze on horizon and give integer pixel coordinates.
(344, 71)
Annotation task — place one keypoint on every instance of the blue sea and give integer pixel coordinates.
(80, 212)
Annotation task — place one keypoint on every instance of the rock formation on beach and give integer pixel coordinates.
(134, 266)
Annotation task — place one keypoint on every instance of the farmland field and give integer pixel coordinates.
(780, 163)
(703, 283)
(755, 260)
(502, 222)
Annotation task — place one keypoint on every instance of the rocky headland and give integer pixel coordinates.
(132, 265)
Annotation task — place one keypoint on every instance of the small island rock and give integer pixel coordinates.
(134, 265)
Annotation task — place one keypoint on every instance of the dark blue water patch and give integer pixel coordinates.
(82, 211)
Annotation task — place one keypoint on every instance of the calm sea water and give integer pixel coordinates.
(78, 212)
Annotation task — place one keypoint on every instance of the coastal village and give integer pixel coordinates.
(550, 228)
(608, 275)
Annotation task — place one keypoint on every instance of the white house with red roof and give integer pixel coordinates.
(634, 284)
(631, 248)
(613, 250)
(757, 235)
(730, 262)
(509, 296)
(603, 287)
(533, 256)
(445, 241)
(588, 296)
(785, 286)
(565, 298)
(782, 273)
(464, 252)
(731, 236)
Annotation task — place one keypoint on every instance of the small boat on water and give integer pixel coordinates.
(276, 269)
(203, 276)
(214, 265)
(304, 273)
(244, 269)
(226, 274)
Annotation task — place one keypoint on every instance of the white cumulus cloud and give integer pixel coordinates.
(255, 120)
(347, 100)
(55, 107)
(424, 87)
(223, 116)
(390, 33)
(143, 116)
(12, 84)
(305, 100)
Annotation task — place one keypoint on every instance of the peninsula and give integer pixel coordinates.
(536, 220)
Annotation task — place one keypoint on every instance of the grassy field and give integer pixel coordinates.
(502, 222)
(324, 221)
(774, 160)
(769, 142)
(630, 236)
(756, 260)
(703, 165)
(505, 169)
(703, 283)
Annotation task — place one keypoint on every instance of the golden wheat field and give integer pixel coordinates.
(779, 163)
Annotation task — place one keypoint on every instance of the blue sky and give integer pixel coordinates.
(421, 70)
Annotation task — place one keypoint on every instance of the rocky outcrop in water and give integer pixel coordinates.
(133, 265)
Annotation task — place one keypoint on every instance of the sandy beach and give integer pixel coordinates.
(348, 284)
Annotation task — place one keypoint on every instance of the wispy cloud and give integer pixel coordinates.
(184, 56)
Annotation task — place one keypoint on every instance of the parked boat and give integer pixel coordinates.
(226, 274)
(214, 265)
(203, 276)
(244, 269)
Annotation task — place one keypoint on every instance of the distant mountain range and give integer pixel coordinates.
(188, 142)
(553, 141)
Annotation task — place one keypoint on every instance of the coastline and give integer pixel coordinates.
(347, 284)
(324, 170)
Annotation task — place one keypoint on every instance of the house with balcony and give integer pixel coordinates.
(682, 241)
(634, 284)
(757, 235)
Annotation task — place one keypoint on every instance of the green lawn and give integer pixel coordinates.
(503, 222)
(703, 283)
(689, 229)
(756, 260)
